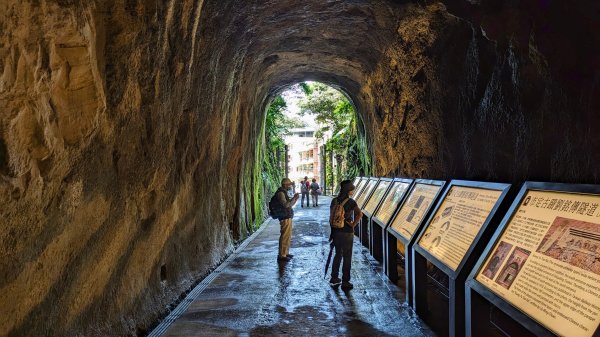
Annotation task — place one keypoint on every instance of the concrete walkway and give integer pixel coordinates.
(253, 295)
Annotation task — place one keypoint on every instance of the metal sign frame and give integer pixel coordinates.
(456, 278)
(480, 300)
(376, 226)
(392, 237)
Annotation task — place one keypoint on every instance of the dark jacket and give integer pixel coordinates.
(287, 203)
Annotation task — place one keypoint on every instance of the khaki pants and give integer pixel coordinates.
(285, 237)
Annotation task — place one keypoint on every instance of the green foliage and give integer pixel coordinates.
(330, 108)
(258, 190)
(277, 125)
(340, 126)
(336, 114)
(306, 88)
(357, 153)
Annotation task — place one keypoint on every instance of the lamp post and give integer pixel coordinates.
(287, 161)
(323, 169)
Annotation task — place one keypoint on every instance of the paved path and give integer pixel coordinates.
(253, 295)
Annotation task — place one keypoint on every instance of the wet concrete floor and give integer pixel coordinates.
(253, 295)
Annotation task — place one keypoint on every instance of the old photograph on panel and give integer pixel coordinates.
(513, 267)
(499, 256)
(573, 241)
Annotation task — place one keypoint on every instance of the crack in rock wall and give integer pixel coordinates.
(129, 129)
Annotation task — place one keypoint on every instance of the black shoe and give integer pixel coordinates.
(347, 286)
(335, 281)
(289, 256)
(283, 259)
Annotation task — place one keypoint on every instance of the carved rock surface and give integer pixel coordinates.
(128, 129)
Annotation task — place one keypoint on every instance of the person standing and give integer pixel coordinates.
(304, 187)
(343, 237)
(314, 191)
(285, 221)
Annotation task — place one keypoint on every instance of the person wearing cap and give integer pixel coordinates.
(285, 236)
(342, 237)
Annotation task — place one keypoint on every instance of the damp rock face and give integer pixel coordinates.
(129, 129)
(476, 90)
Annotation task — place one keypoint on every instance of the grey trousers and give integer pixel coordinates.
(305, 195)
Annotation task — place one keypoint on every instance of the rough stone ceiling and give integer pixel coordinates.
(283, 42)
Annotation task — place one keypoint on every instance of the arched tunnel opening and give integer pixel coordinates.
(130, 133)
(313, 130)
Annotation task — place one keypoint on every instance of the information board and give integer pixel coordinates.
(414, 209)
(370, 185)
(547, 261)
(358, 188)
(391, 201)
(457, 222)
(377, 196)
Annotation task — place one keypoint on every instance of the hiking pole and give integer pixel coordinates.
(328, 258)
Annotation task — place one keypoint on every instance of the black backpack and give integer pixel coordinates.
(276, 209)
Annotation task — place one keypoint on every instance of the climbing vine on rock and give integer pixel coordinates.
(276, 126)
(269, 168)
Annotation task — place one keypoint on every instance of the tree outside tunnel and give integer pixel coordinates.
(319, 113)
(346, 147)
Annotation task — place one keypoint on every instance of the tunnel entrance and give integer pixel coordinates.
(312, 131)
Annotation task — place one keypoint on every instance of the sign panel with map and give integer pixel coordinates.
(457, 222)
(414, 209)
(392, 200)
(366, 191)
(378, 194)
(546, 262)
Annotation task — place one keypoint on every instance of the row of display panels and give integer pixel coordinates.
(544, 258)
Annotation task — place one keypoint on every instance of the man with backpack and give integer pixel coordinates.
(343, 217)
(304, 187)
(280, 207)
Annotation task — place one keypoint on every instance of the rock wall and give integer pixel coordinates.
(130, 131)
(505, 92)
(115, 191)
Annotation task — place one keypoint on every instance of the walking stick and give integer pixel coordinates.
(328, 258)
